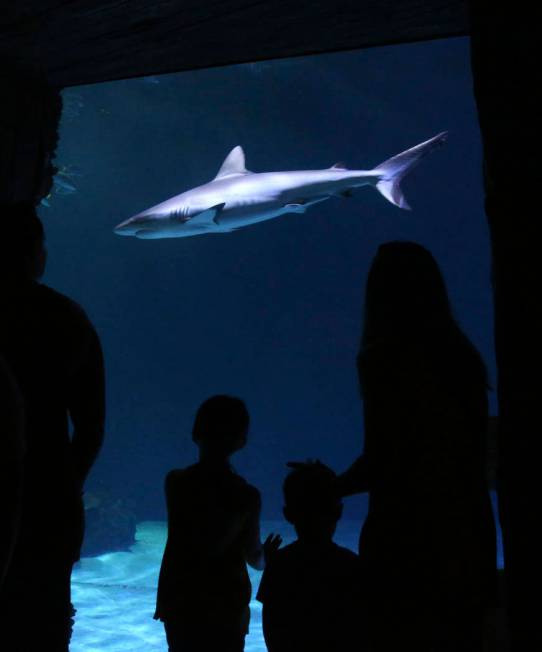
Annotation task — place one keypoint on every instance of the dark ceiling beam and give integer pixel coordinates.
(88, 41)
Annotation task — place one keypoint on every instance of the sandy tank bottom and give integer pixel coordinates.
(115, 593)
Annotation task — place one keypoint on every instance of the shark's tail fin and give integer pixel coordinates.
(391, 172)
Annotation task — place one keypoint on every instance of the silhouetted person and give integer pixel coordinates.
(311, 589)
(12, 449)
(55, 356)
(427, 548)
(213, 532)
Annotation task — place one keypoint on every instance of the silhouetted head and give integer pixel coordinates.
(405, 292)
(406, 301)
(221, 426)
(22, 242)
(311, 501)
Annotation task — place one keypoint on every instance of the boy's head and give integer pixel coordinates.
(221, 425)
(311, 501)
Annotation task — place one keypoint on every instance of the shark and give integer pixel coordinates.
(237, 198)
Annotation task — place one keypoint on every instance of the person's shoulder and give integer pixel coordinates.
(345, 567)
(181, 473)
(176, 477)
(290, 550)
(61, 304)
(286, 556)
(56, 298)
(250, 492)
(345, 555)
(279, 573)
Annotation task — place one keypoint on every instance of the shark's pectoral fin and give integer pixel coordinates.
(208, 218)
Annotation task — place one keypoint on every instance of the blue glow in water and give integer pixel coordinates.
(115, 593)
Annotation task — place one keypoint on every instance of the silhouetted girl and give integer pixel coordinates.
(213, 532)
(428, 545)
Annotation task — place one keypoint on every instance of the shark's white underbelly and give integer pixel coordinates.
(243, 215)
(228, 219)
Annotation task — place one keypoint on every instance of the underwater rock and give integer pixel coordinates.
(110, 524)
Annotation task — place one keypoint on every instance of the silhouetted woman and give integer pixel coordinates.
(428, 544)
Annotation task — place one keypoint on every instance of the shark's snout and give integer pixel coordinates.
(120, 228)
(131, 226)
(124, 228)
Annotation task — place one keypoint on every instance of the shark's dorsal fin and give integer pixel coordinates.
(234, 164)
(339, 166)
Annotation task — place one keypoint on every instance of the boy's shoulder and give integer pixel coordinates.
(298, 566)
(296, 552)
(286, 553)
(345, 554)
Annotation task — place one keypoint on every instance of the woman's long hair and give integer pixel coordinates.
(406, 300)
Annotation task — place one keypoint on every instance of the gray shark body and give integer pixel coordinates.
(236, 197)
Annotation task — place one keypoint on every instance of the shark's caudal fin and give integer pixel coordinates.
(391, 172)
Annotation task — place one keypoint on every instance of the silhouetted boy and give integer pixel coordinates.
(213, 532)
(310, 589)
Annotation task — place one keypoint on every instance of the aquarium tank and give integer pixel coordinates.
(271, 312)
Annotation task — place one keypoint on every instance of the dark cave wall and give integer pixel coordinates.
(90, 41)
(505, 56)
(505, 68)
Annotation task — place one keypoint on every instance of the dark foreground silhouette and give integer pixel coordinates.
(427, 548)
(55, 356)
(11, 464)
(311, 589)
(213, 532)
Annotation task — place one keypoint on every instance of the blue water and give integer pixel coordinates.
(115, 593)
(271, 313)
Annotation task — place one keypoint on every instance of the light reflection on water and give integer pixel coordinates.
(115, 593)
